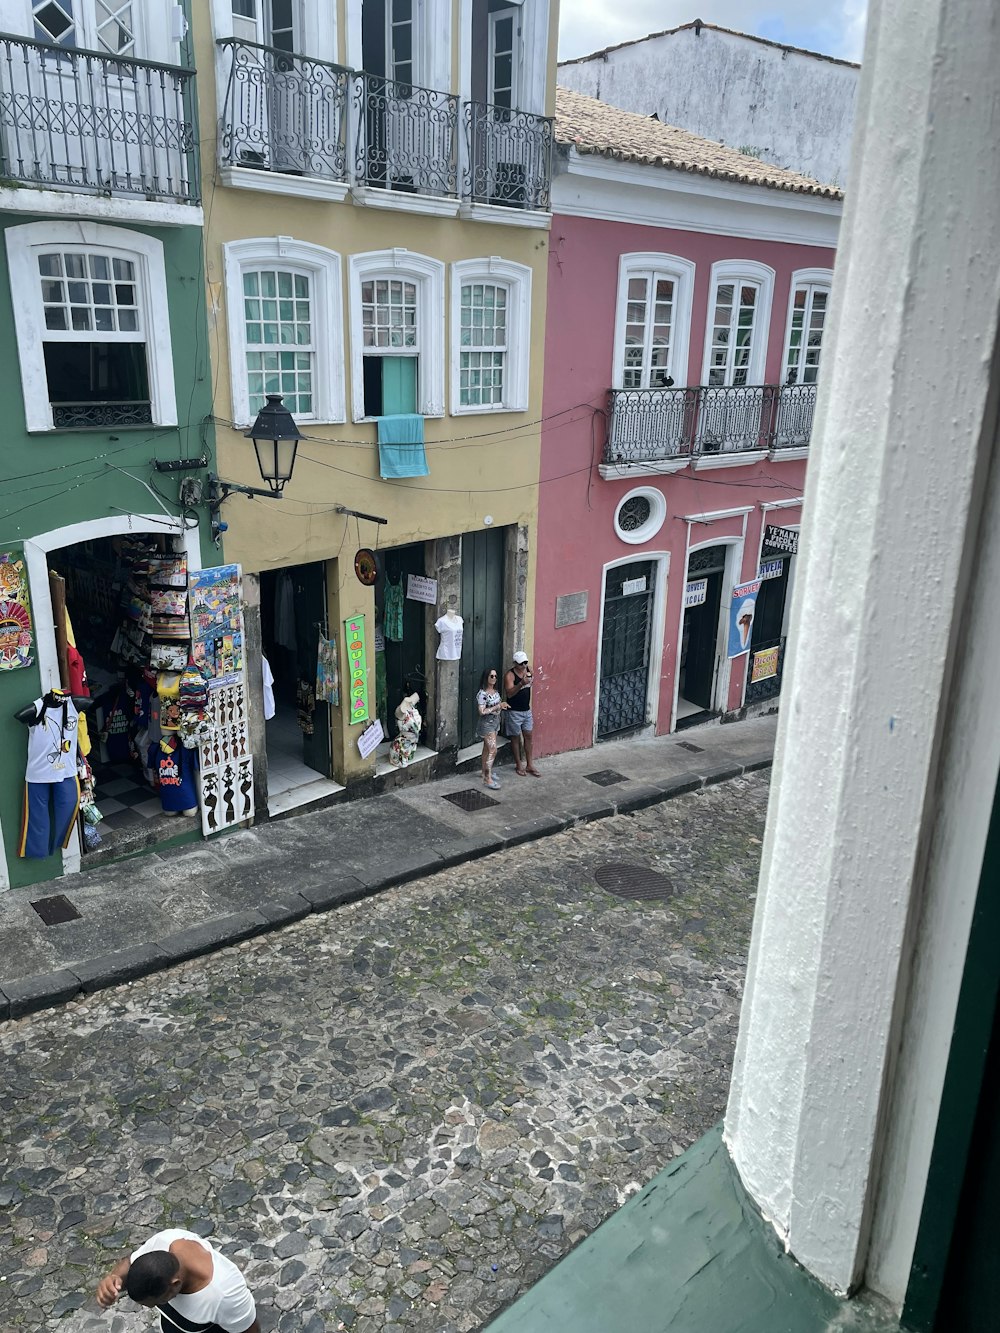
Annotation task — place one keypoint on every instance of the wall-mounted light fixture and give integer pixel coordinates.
(275, 440)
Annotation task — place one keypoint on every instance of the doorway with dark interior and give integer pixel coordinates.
(700, 648)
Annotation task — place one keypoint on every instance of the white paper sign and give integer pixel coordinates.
(696, 592)
(419, 589)
(630, 586)
(371, 738)
(771, 569)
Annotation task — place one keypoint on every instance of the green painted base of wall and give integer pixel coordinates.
(691, 1254)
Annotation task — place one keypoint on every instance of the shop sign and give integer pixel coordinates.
(764, 665)
(370, 739)
(357, 668)
(631, 586)
(695, 592)
(571, 609)
(419, 589)
(15, 613)
(217, 624)
(742, 608)
(771, 569)
(780, 541)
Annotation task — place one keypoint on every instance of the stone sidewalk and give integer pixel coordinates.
(150, 912)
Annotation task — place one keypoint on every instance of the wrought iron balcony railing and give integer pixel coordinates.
(284, 112)
(657, 425)
(508, 157)
(406, 137)
(87, 120)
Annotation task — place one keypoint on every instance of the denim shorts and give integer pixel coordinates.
(515, 722)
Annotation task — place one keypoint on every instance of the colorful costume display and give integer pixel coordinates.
(408, 723)
(52, 789)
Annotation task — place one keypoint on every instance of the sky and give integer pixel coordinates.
(831, 27)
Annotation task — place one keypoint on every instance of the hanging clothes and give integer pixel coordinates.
(51, 785)
(327, 672)
(270, 707)
(305, 702)
(284, 612)
(394, 610)
(177, 769)
(451, 628)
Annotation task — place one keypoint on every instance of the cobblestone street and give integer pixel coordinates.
(395, 1116)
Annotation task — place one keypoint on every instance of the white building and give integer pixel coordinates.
(790, 107)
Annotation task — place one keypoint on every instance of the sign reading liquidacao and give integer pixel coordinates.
(357, 668)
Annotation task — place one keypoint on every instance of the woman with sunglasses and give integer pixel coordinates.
(490, 707)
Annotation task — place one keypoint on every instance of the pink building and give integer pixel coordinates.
(688, 290)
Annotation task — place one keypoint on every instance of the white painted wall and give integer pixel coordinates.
(874, 838)
(791, 109)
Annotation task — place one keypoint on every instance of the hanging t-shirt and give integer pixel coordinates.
(394, 611)
(269, 704)
(52, 741)
(225, 1303)
(176, 770)
(451, 629)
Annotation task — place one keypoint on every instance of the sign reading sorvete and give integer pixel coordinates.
(571, 609)
(632, 586)
(783, 541)
(371, 738)
(696, 592)
(419, 589)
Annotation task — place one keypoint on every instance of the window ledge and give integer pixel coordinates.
(431, 204)
(662, 467)
(706, 462)
(277, 182)
(103, 208)
(688, 1240)
(789, 455)
(507, 217)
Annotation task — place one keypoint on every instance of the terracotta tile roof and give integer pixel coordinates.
(697, 25)
(591, 126)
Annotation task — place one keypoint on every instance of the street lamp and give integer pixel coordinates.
(275, 440)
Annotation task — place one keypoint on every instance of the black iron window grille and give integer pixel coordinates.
(93, 121)
(406, 137)
(284, 112)
(658, 425)
(508, 157)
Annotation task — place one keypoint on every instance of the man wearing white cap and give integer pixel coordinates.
(518, 722)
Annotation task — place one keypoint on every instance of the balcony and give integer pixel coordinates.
(96, 123)
(333, 128)
(664, 430)
(406, 137)
(284, 113)
(509, 157)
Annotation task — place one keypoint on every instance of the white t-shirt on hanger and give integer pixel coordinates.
(451, 629)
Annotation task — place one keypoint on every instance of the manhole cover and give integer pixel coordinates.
(695, 749)
(55, 910)
(470, 799)
(607, 777)
(636, 882)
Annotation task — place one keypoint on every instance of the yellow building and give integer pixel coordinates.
(376, 227)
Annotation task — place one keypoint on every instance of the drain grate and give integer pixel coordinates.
(695, 749)
(607, 777)
(470, 799)
(636, 882)
(56, 910)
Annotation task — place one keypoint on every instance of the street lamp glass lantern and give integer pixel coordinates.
(275, 439)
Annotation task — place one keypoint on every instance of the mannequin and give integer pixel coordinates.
(408, 723)
(52, 785)
(450, 626)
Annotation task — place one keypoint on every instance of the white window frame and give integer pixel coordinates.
(681, 272)
(432, 34)
(653, 524)
(737, 271)
(804, 277)
(428, 276)
(24, 244)
(323, 268)
(516, 278)
(533, 58)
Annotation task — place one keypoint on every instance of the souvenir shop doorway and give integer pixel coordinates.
(293, 616)
(110, 596)
(400, 639)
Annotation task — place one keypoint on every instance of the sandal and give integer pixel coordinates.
(492, 784)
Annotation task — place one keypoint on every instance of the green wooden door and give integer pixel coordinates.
(404, 660)
(482, 610)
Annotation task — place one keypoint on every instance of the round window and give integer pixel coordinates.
(640, 515)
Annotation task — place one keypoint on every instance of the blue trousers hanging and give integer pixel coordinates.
(50, 811)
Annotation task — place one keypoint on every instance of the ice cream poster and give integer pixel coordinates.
(742, 609)
(15, 613)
